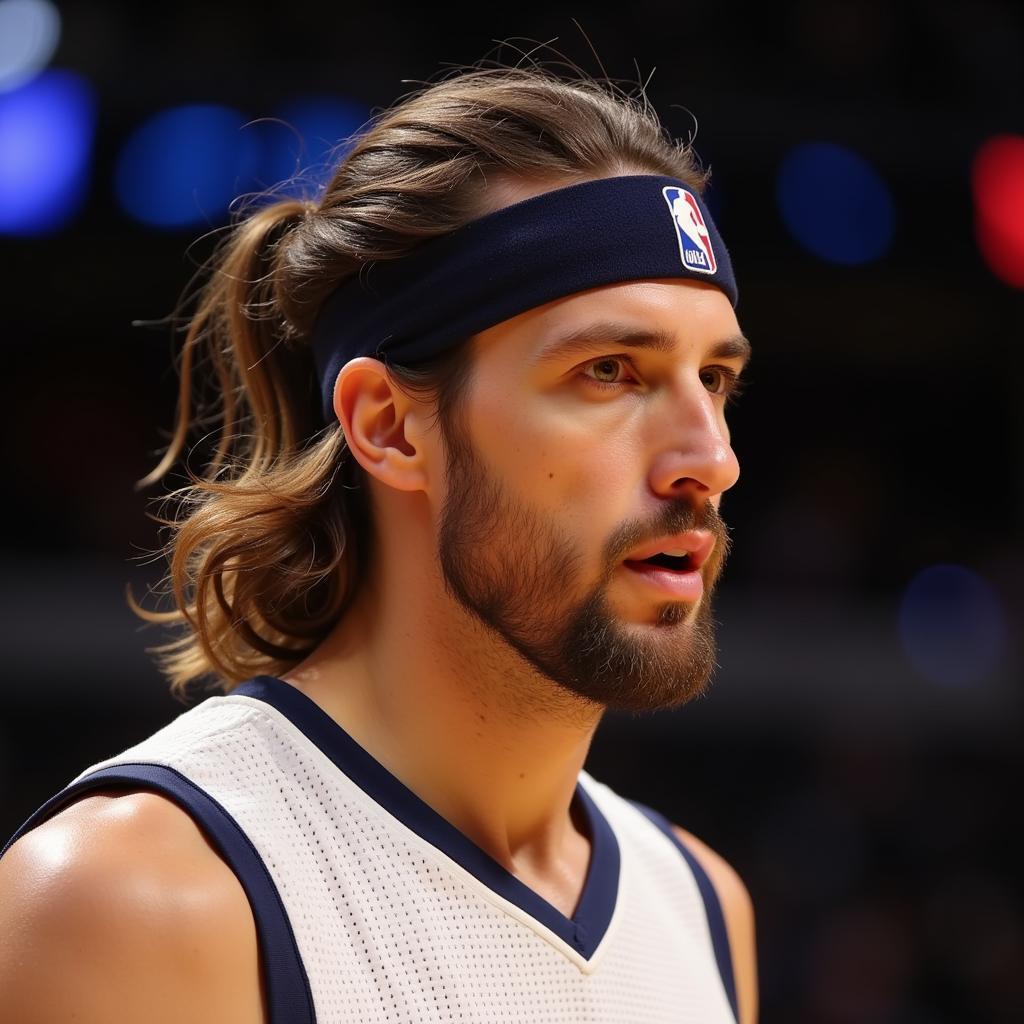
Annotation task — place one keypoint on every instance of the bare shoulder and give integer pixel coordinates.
(732, 892)
(121, 897)
(738, 911)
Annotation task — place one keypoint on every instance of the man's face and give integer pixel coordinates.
(561, 464)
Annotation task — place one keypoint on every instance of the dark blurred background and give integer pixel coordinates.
(859, 758)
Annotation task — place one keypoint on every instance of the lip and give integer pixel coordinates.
(699, 544)
(682, 586)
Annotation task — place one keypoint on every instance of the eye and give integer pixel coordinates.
(722, 381)
(602, 366)
(729, 383)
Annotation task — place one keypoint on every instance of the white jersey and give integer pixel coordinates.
(372, 907)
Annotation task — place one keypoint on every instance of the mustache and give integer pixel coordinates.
(677, 519)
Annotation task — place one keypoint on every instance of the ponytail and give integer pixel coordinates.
(256, 550)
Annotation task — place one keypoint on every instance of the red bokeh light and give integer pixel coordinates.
(997, 181)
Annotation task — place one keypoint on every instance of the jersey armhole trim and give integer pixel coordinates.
(289, 995)
(712, 904)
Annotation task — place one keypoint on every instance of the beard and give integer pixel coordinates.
(515, 569)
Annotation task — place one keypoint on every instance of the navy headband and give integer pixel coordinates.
(504, 263)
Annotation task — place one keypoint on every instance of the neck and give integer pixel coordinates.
(460, 718)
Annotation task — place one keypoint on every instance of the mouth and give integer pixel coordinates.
(677, 552)
(671, 565)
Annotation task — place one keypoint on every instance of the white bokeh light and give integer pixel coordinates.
(29, 34)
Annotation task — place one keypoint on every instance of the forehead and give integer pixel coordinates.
(669, 315)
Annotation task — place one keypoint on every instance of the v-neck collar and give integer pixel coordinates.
(583, 931)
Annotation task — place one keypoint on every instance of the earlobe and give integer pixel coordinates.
(381, 424)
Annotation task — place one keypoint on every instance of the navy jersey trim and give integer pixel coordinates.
(583, 931)
(290, 1000)
(712, 905)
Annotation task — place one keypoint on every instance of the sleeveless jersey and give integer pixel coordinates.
(372, 907)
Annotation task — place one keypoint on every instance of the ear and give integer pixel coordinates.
(385, 429)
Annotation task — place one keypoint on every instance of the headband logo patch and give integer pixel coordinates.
(694, 238)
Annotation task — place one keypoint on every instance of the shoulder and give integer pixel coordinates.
(738, 911)
(121, 897)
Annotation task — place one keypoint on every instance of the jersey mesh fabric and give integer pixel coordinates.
(390, 929)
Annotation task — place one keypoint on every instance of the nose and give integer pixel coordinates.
(694, 453)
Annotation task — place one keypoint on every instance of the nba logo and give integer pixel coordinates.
(694, 240)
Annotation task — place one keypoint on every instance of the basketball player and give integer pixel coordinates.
(465, 498)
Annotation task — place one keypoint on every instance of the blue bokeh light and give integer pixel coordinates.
(46, 136)
(306, 141)
(835, 203)
(185, 165)
(952, 625)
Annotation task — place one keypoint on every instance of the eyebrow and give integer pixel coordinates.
(603, 333)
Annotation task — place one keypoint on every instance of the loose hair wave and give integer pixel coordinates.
(269, 544)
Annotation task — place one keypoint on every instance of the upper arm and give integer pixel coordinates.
(738, 911)
(116, 910)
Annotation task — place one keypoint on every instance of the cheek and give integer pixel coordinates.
(514, 443)
(555, 454)
(597, 495)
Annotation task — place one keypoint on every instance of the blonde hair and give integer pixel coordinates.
(268, 546)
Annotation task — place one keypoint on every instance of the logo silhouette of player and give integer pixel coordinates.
(694, 241)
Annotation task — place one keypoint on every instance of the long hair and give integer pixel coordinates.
(268, 545)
